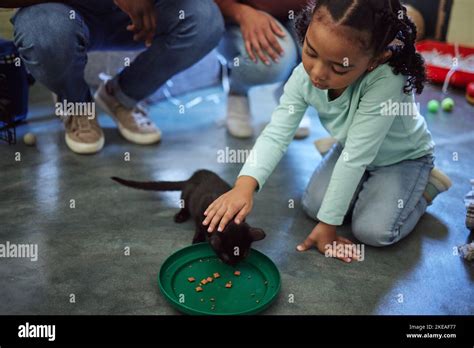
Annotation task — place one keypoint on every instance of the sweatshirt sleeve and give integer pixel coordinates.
(366, 134)
(277, 135)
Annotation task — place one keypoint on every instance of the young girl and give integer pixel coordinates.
(359, 69)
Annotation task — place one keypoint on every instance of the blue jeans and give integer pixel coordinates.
(53, 40)
(387, 203)
(249, 74)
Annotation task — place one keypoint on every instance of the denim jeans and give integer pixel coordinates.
(248, 74)
(53, 40)
(387, 203)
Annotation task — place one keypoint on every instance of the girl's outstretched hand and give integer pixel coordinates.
(237, 201)
(325, 239)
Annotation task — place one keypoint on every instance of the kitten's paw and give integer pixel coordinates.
(181, 217)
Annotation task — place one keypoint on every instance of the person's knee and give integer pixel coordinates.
(259, 73)
(55, 46)
(198, 23)
(373, 232)
(279, 71)
(211, 22)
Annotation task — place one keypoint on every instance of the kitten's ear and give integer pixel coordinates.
(256, 234)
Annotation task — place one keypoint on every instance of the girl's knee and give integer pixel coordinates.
(374, 233)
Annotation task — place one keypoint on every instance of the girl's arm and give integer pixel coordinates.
(264, 157)
(271, 145)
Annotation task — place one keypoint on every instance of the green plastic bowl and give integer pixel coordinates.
(251, 292)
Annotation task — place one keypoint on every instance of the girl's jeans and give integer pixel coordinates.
(387, 203)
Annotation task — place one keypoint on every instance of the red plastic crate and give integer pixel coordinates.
(438, 74)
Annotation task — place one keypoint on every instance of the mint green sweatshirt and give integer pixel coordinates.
(375, 121)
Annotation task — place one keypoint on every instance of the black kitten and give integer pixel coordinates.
(198, 192)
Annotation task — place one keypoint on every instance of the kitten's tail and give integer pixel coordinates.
(152, 185)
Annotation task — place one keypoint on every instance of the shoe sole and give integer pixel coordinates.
(323, 145)
(239, 133)
(137, 138)
(84, 148)
(302, 133)
(440, 180)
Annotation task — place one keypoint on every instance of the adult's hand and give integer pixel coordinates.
(143, 16)
(260, 32)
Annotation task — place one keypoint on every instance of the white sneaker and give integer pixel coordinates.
(238, 116)
(133, 124)
(83, 135)
(438, 182)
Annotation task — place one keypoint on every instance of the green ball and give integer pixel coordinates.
(29, 139)
(447, 104)
(433, 106)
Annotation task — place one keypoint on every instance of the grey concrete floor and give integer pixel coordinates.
(81, 250)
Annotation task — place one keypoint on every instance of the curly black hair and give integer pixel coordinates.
(390, 28)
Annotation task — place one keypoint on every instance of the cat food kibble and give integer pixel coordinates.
(191, 279)
(204, 281)
(216, 275)
(210, 279)
(198, 289)
(228, 285)
(237, 273)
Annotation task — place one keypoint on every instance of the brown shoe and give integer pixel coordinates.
(83, 135)
(133, 124)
